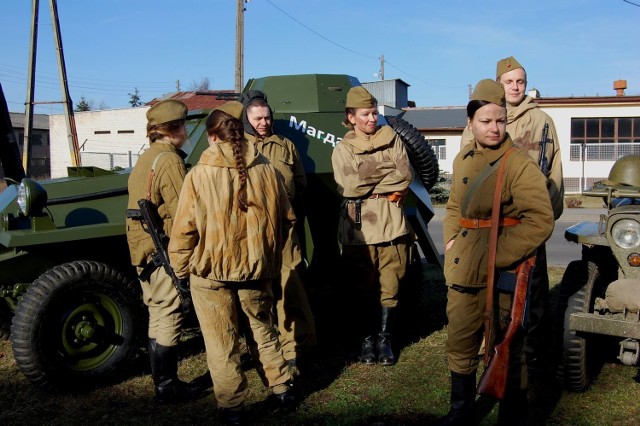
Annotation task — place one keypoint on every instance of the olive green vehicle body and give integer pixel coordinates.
(589, 314)
(84, 220)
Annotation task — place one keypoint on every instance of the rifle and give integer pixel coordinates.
(152, 224)
(494, 378)
(542, 160)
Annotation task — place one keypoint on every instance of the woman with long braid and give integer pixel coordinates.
(231, 224)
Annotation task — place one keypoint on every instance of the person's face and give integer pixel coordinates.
(260, 119)
(365, 120)
(489, 125)
(515, 85)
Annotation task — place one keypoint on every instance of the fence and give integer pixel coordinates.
(108, 161)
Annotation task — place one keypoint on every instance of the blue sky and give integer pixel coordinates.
(569, 47)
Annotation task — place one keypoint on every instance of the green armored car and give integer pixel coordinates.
(67, 286)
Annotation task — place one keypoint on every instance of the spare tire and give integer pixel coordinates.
(421, 154)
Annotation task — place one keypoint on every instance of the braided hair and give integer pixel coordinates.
(230, 130)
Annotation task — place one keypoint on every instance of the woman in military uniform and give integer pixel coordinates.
(527, 223)
(158, 176)
(233, 218)
(372, 170)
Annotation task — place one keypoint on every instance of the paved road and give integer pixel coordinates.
(559, 251)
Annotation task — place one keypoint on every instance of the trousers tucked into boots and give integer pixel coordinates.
(378, 349)
(164, 370)
(383, 345)
(463, 395)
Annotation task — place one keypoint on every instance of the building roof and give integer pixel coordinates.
(445, 118)
(40, 121)
(207, 99)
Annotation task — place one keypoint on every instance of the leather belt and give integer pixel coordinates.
(486, 223)
(376, 196)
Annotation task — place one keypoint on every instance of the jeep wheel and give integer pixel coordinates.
(421, 154)
(576, 290)
(77, 324)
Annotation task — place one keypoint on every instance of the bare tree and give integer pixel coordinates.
(201, 86)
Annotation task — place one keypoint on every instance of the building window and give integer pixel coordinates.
(102, 132)
(604, 139)
(439, 146)
(120, 132)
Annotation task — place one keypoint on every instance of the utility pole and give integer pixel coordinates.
(239, 46)
(177, 85)
(62, 72)
(382, 67)
(72, 134)
(31, 83)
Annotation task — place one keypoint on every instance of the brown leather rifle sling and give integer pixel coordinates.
(493, 246)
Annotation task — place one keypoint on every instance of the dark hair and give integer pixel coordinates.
(230, 130)
(474, 106)
(346, 123)
(159, 131)
(256, 102)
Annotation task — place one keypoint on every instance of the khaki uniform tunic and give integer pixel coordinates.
(296, 324)
(231, 254)
(524, 197)
(525, 124)
(364, 167)
(159, 294)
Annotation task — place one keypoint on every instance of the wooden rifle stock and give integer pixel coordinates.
(494, 378)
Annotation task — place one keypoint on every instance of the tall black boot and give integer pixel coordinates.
(164, 370)
(385, 352)
(368, 353)
(463, 395)
(513, 409)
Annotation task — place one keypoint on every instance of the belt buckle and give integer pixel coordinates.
(476, 223)
(375, 196)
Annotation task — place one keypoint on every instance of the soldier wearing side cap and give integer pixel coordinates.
(373, 173)
(525, 124)
(158, 176)
(527, 222)
(233, 220)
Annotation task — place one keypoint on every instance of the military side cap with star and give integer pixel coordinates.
(233, 108)
(359, 97)
(166, 111)
(490, 91)
(506, 65)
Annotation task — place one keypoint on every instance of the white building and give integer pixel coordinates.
(593, 132)
(107, 138)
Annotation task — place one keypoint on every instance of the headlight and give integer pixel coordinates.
(626, 233)
(32, 198)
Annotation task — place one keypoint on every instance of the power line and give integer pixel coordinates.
(356, 52)
(320, 35)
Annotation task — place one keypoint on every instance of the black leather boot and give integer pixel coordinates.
(286, 402)
(463, 395)
(383, 345)
(164, 370)
(368, 353)
(513, 409)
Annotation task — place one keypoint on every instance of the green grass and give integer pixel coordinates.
(339, 391)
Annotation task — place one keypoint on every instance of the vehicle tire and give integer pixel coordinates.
(423, 159)
(576, 296)
(78, 324)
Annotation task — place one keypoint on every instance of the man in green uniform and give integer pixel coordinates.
(525, 124)
(296, 324)
(158, 176)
